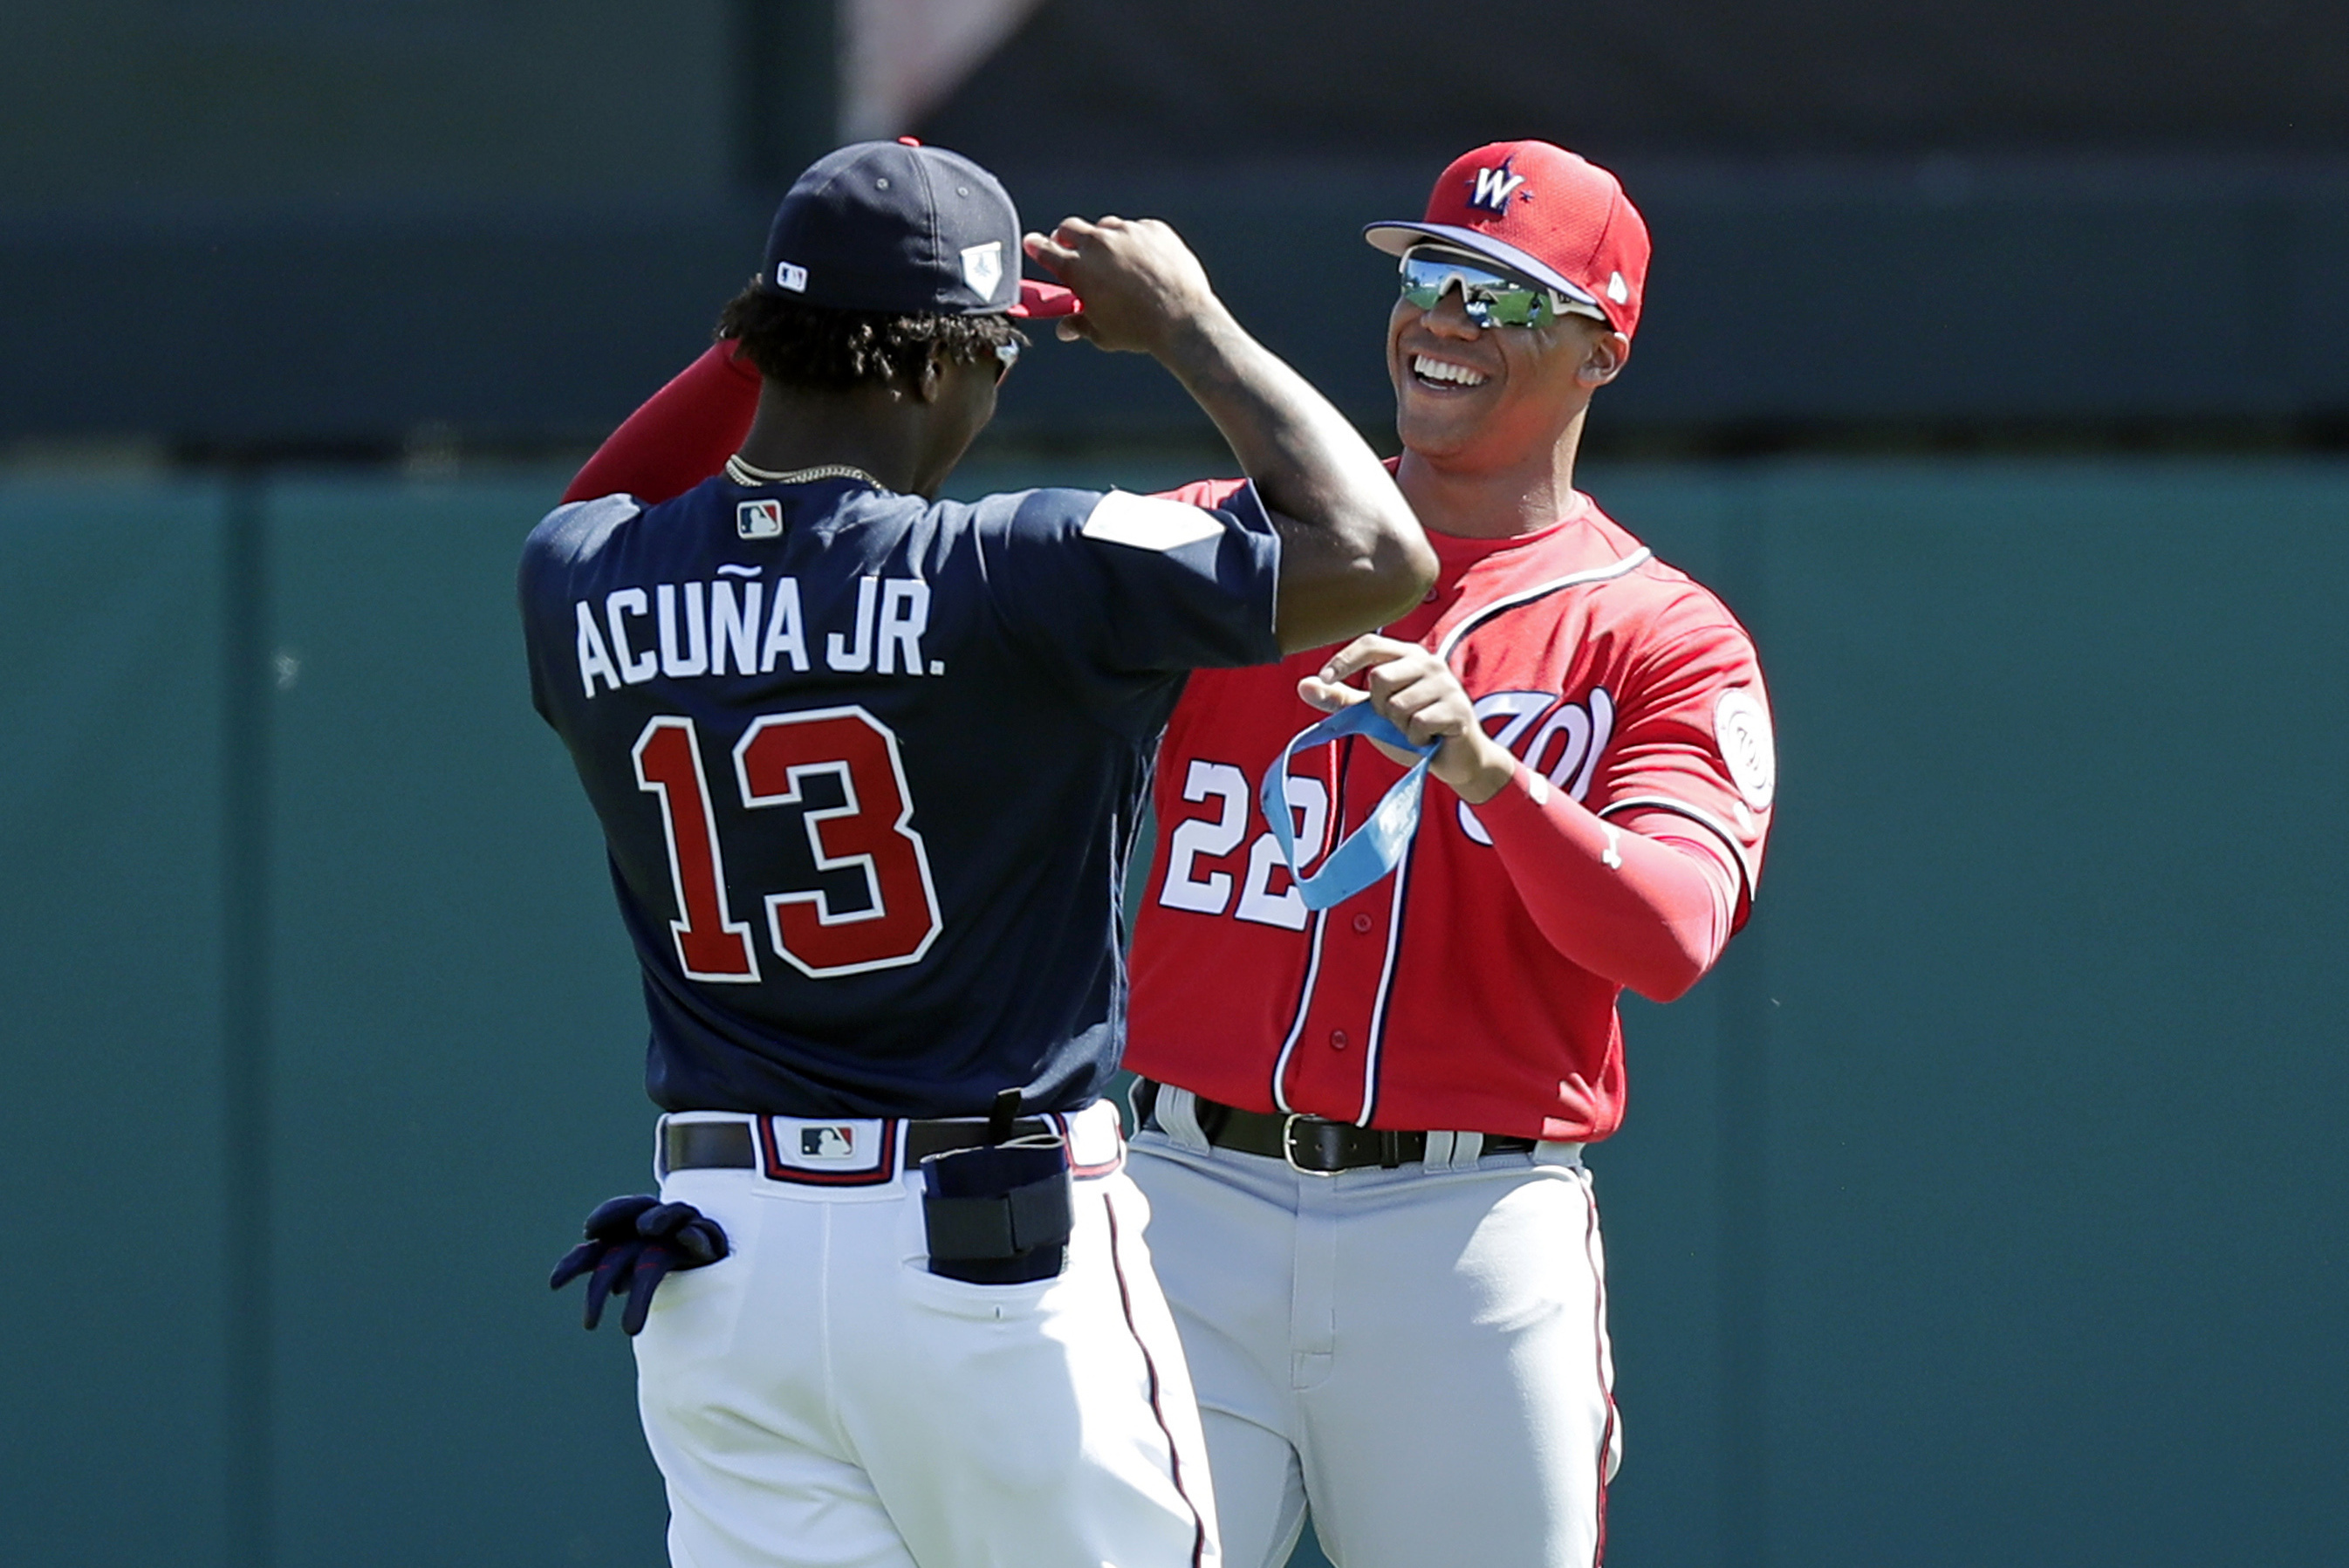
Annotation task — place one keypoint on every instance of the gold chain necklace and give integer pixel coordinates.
(750, 478)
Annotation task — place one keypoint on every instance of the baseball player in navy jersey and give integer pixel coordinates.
(868, 764)
(1363, 1123)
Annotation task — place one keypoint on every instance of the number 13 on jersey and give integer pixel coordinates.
(871, 832)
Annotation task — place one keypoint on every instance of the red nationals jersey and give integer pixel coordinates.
(1431, 1000)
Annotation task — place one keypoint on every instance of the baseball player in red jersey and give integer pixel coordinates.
(1363, 1124)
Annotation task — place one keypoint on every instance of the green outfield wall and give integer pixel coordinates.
(1984, 1207)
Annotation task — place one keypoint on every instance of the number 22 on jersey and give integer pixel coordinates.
(870, 831)
(1212, 838)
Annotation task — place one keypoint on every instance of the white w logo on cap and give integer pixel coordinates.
(1495, 187)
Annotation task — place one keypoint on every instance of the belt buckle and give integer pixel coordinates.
(1289, 1145)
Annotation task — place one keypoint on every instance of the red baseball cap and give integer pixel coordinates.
(1541, 211)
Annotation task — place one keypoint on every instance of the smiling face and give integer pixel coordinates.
(1493, 396)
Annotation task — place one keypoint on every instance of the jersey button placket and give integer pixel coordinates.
(1336, 1042)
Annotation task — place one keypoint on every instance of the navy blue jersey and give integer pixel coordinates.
(869, 768)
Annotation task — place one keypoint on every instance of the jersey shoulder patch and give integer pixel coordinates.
(1149, 522)
(577, 528)
(1742, 726)
(606, 508)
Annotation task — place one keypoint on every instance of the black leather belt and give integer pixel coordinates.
(1308, 1143)
(727, 1146)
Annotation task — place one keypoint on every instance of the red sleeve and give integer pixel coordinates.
(1648, 912)
(682, 435)
(1692, 738)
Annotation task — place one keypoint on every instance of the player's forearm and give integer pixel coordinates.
(1353, 556)
(1639, 909)
(681, 436)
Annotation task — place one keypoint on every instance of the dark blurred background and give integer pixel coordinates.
(1983, 1208)
(258, 226)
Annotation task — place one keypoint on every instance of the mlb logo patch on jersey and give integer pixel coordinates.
(758, 519)
(828, 1142)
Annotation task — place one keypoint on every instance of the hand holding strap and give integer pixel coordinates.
(1370, 851)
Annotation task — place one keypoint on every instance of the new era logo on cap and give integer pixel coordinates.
(1540, 212)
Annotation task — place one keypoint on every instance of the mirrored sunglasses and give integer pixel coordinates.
(1491, 298)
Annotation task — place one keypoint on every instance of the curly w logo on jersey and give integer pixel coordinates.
(1559, 739)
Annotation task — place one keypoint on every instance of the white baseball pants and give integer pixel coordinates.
(1421, 1352)
(818, 1398)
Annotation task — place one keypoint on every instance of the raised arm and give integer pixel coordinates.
(680, 436)
(1352, 555)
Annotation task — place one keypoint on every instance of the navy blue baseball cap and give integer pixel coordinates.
(903, 229)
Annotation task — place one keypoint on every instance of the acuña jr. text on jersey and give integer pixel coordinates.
(740, 622)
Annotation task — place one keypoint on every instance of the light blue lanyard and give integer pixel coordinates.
(1370, 851)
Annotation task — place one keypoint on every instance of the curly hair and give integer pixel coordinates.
(822, 350)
